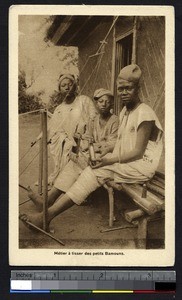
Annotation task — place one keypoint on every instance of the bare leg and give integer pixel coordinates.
(53, 195)
(38, 200)
(63, 203)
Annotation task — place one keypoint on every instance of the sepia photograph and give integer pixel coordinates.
(91, 135)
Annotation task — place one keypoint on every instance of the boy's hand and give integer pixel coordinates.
(101, 162)
(73, 157)
(97, 147)
(84, 145)
(104, 151)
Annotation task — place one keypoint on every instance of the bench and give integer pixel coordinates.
(149, 198)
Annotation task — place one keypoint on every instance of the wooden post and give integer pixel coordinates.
(113, 62)
(45, 168)
(133, 59)
(40, 164)
(111, 203)
(111, 206)
(142, 234)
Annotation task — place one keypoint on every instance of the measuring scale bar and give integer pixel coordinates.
(81, 285)
(93, 280)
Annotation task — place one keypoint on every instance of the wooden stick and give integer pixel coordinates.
(144, 203)
(142, 234)
(25, 201)
(159, 179)
(156, 189)
(111, 207)
(111, 204)
(40, 165)
(133, 59)
(156, 217)
(110, 29)
(118, 228)
(114, 185)
(29, 112)
(44, 232)
(113, 63)
(157, 183)
(40, 157)
(160, 175)
(130, 216)
(23, 187)
(45, 169)
(96, 54)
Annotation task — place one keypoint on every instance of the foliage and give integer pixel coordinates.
(54, 101)
(27, 102)
(70, 57)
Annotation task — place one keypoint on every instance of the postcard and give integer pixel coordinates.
(91, 135)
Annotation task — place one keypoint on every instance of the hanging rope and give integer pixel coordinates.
(109, 31)
(23, 187)
(100, 47)
(24, 154)
(28, 200)
(32, 144)
(98, 67)
(37, 139)
(85, 64)
(98, 52)
(89, 77)
(29, 163)
(32, 160)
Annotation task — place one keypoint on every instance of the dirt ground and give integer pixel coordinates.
(80, 226)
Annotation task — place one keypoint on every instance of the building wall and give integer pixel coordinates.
(151, 58)
(123, 25)
(123, 29)
(97, 72)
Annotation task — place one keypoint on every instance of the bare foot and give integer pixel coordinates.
(35, 219)
(36, 198)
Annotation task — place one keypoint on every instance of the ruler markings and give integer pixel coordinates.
(97, 280)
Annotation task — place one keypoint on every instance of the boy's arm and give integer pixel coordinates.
(110, 140)
(143, 135)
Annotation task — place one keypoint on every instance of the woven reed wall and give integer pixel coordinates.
(151, 58)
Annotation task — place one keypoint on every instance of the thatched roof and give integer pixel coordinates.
(72, 30)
